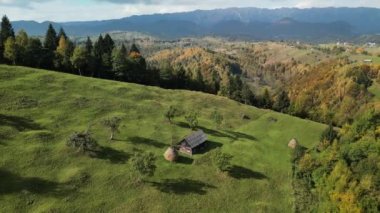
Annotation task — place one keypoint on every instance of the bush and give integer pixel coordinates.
(83, 141)
(192, 120)
(221, 161)
(144, 164)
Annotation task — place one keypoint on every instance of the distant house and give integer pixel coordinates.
(193, 142)
(368, 61)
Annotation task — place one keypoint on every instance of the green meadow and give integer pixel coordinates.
(40, 109)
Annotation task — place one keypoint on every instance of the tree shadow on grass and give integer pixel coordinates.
(12, 183)
(209, 145)
(239, 172)
(147, 141)
(182, 186)
(19, 123)
(184, 160)
(238, 135)
(113, 155)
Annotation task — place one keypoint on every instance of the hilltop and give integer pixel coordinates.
(40, 109)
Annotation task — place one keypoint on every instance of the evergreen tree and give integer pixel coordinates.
(89, 46)
(266, 100)
(123, 50)
(108, 44)
(282, 102)
(50, 42)
(60, 34)
(119, 64)
(6, 31)
(247, 94)
(134, 49)
(33, 53)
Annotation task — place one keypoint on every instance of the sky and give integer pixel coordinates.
(84, 10)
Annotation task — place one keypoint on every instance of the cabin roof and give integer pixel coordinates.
(196, 138)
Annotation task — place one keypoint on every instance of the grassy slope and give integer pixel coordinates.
(375, 90)
(40, 109)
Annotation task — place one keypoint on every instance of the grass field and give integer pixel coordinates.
(38, 173)
(375, 90)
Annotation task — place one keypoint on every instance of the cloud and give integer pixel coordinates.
(20, 3)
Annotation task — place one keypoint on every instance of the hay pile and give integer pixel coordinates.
(293, 143)
(171, 154)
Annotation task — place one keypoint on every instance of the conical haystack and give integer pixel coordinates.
(171, 154)
(293, 143)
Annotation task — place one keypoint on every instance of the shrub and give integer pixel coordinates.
(144, 164)
(221, 161)
(83, 141)
(192, 120)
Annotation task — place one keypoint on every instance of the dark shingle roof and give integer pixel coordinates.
(196, 138)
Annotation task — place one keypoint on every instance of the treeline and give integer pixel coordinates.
(342, 173)
(104, 59)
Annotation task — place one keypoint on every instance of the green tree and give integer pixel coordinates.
(51, 39)
(266, 100)
(33, 53)
(22, 41)
(10, 50)
(83, 141)
(247, 94)
(221, 161)
(63, 54)
(6, 31)
(329, 134)
(134, 49)
(171, 113)
(192, 120)
(61, 33)
(79, 59)
(217, 117)
(144, 164)
(113, 125)
(281, 102)
(119, 64)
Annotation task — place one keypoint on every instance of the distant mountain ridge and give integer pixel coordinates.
(250, 23)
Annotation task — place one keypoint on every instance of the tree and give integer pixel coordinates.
(327, 137)
(51, 38)
(22, 41)
(33, 53)
(10, 50)
(221, 161)
(266, 100)
(134, 49)
(113, 125)
(192, 120)
(282, 102)
(144, 164)
(123, 50)
(63, 54)
(61, 33)
(79, 59)
(217, 118)
(119, 64)
(83, 141)
(247, 94)
(6, 31)
(171, 113)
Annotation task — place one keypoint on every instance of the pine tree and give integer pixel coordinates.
(89, 46)
(33, 53)
(60, 34)
(6, 31)
(134, 49)
(109, 44)
(51, 38)
(247, 94)
(282, 102)
(123, 50)
(266, 100)
(119, 64)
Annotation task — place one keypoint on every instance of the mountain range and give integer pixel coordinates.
(311, 24)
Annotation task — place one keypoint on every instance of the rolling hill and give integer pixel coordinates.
(40, 109)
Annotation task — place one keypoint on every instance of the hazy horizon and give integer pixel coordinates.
(91, 10)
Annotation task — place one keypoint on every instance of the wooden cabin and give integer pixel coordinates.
(193, 142)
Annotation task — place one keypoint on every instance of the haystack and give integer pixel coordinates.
(293, 143)
(171, 154)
